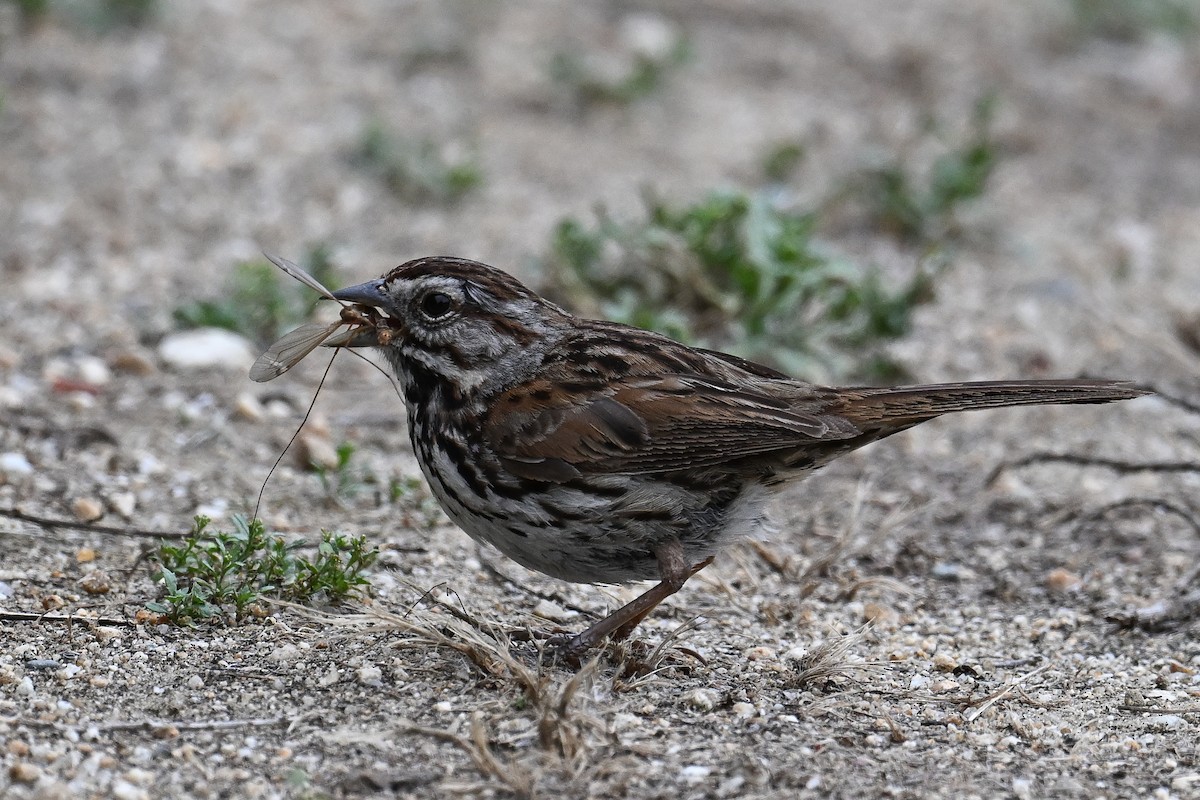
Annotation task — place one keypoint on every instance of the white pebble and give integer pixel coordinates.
(703, 699)
(1166, 722)
(284, 654)
(124, 503)
(206, 347)
(330, 677)
(124, 790)
(744, 710)
(248, 407)
(370, 675)
(15, 464)
(694, 773)
(93, 370)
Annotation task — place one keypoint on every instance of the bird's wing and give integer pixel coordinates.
(645, 425)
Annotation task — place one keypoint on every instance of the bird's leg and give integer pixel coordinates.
(675, 572)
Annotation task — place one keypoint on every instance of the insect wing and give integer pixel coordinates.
(290, 349)
(296, 272)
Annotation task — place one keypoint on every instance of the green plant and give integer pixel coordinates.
(923, 208)
(782, 160)
(735, 272)
(344, 480)
(417, 169)
(260, 303)
(226, 576)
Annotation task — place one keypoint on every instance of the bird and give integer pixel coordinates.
(600, 453)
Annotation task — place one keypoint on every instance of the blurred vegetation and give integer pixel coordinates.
(744, 272)
(1133, 20)
(261, 302)
(782, 160)
(590, 86)
(921, 206)
(738, 273)
(98, 15)
(417, 169)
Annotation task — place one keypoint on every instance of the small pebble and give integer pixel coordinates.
(370, 675)
(105, 633)
(206, 348)
(330, 677)
(24, 773)
(284, 654)
(744, 710)
(124, 503)
(134, 362)
(1166, 722)
(93, 370)
(944, 663)
(87, 509)
(694, 773)
(141, 777)
(1061, 580)
(248, 407)
(42, 664)
(15, 464)
(124, 790)
(95, 582)
(702, 699)
(195, 682)
(85, 555)
(314, 449)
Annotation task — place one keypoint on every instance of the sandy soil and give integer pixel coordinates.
(137, 167)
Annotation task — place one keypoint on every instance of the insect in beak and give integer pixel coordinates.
(360, 325)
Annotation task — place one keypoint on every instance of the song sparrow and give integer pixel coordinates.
(599, 453)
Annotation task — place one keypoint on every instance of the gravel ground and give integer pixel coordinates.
(933, 619)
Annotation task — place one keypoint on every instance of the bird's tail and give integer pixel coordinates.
(913, 404)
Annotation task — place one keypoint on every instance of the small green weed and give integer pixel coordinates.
(923, 209)
(261, 303)
(226, 576)
(417, 169)
(345, 479)
(737, 273)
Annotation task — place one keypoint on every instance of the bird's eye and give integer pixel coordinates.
(436, 305)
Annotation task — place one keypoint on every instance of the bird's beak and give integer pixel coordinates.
(367, 294)
(364, 294)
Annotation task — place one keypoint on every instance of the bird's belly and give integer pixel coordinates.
(598, 529)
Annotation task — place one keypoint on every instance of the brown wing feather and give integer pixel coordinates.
(646, 425)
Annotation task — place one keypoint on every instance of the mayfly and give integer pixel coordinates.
(294, 346)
